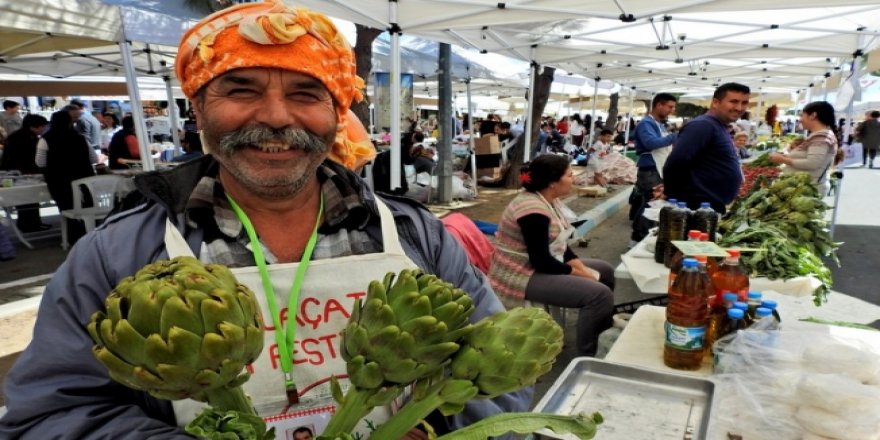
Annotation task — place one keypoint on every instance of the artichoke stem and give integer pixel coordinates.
(226, 399)
(354, 407)
(409, 416)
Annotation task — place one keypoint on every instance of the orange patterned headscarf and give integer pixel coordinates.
(273, 35)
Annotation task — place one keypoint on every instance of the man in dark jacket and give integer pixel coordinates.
(274, 185)
(704, 164)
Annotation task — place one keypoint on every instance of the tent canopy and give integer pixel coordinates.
(675, 45)
(683, 46)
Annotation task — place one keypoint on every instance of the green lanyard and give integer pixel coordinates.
(284, 337)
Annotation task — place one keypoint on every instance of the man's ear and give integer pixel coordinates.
(197, 109)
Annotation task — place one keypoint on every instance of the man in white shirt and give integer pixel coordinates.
(86, 124)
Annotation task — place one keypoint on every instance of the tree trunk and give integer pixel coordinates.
(515, 155)
(363, 53)
(611, 123)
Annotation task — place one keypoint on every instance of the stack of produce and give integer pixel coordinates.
(755, 169)
(785, 222)
(180, 329)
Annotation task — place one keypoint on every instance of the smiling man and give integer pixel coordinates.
(273, 198)
(704, 165)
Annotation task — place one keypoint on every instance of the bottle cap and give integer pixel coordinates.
(735, 313)
(769, 304)
(673, 201)
(740, 305)
(704, 236)
(729, 296)
(705, 205)
(754, 295)
(762, 312)
(694, 234)
(701, 259)
(689, 262)
(682, 205)
(733, 252)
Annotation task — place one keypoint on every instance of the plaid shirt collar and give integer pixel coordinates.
(344, 207)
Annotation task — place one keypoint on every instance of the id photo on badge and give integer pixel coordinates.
(306, 432)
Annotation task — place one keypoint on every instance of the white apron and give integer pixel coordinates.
(660, 154)
(325, 301)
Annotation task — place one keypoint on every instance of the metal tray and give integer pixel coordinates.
(636, 403)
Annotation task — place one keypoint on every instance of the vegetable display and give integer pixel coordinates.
(784, 221)
(181, 329)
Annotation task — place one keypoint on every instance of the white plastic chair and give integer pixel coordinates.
(103, 191)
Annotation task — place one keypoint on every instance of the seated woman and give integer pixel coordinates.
(124, 145)
(533, 261)
(192, 147)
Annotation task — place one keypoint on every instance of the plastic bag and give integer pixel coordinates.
(791, 384)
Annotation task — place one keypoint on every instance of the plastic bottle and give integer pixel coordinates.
(731, 277)
(686, 318)
(676, 230)
(718, 318)
(712, 262)
(678, 257)
(772, 305)
(662, 228)
(764, 320)
(706, 220)
(754, 301)
(745, 309)
(735, 322)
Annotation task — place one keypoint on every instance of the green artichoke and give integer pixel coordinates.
(402, 332)
(180, 329)
(407, 327)
(503, 353)
(508, 351)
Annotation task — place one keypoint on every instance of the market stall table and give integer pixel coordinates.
(653, 278)
(23, 194)
(640, 346)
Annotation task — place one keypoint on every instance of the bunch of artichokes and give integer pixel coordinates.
(416, 331)
(180, 329)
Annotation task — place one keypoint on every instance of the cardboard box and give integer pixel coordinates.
(488, 144)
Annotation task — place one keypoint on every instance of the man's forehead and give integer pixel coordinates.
(261, 74)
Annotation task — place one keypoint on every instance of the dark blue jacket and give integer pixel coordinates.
(649, 137)
(704, 165)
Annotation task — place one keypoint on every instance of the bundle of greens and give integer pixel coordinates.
(761, 161)
(785, 220)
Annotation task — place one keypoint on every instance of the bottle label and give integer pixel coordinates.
(685, 338)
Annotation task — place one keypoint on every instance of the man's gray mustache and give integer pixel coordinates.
(296, 138)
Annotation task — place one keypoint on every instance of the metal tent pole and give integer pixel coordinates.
(471, 138)
(444, 176)
(137, 108)
(629, 116)
(527, 123)
(173, 116)
(395, 96)
(593, 120)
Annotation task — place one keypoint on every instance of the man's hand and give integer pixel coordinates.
(657, 192)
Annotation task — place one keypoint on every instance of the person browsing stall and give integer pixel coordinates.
(271, 86)
(534, 262)
(653, 144)
(704, 165)
(816, 154)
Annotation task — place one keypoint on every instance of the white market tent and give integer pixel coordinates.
(683, 46)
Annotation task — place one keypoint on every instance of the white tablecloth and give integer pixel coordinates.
(652, 278)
